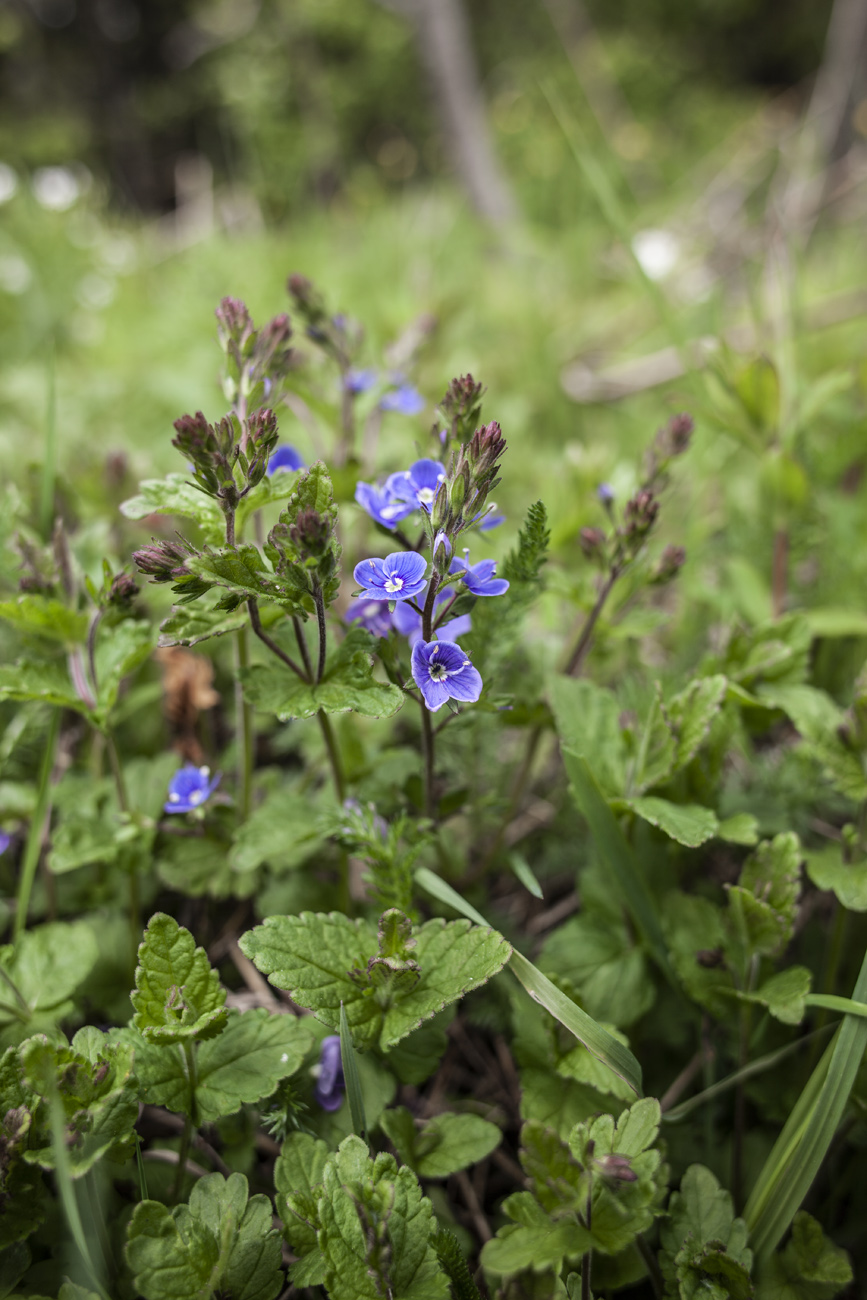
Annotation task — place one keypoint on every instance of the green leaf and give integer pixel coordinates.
(222, 1242)
(597, 953)
(298, 1174)
(764, 902)
(742, 828)
(175, 495)
(617, 856)
(443, 1145)
(283, 831)
(119, 651)
(524, 563)
(189, 624)
(588, 723)
(47, 966)
(757, 385)
(325, 960)
(691, 714)
(376, 1229)
(354, 1095)
(525, 874)
(177, 993)
(848, 880)
(98, 1096)
(688, 824)
(596, 1039)
(784, 994)
(35, 615)
(704, 1247)
(247, 1060)
(451, 1259)
(347, 684)
(810, 1267)
(46, 682)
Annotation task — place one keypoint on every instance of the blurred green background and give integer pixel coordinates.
(671, 199)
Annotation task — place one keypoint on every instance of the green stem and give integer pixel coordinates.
(427, 737)
(333, 755)
(67, 1192)
(302, 646)
(256, 624)
(189, 1052)
(46, 487)
(323, 635)
(38, 822)
(244, 724)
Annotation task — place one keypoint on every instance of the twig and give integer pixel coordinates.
(483, 1228)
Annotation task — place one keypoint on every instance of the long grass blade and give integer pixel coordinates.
(67, 1193)
(596, 1039)
(618, 858)
(801, 1147)
(350, 1077)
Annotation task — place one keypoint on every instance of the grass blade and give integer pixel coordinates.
(801, 1147)
(525, 874)
(596, 1039)
(351, 1079)
(618, 858)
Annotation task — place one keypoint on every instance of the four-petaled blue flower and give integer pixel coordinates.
(373, 617)
(190, 788)
(406, 400)
(442, 671)
(417, 486)
(479, 578)
(358, 381)
(400, 576)
(382, 505)
(407, 621)
(330, 1084)
(285, 457)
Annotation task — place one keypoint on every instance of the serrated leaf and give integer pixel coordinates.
(283, 831)
(298, 1174)
(588, 723)
(119, 651)
(177, 993)
(689, 824)
(347, 684)
(848, 880)
(809, 1268)
(187, 625)
(175, 495)
(375, 1230)
(699, 1231)
(247, 1060)
(47, 682)
(47, 966)
(99, 1099)
(764, 902)
(324, 960)
(222, 1242)
(742, 828)
(443, 1145)
(691, 714)
(35, 615)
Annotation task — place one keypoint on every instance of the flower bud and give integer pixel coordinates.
(592, 542)
(461, 407)
(122, 591)
(616, 1168)
(234, 325)
(674, 438)
(163, 561)
(640, 514)
(668, 565)
(310, 533)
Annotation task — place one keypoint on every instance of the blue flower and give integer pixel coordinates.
(190, 788)
(489, 518)
(605, 493)
(382, 505)
(407, 621)
(417, 486)
(285, 457)
(479, 578)
(400, 576)
(373, 617)
(406, 400)
(358, 381)
(330, 1084)
(442, 671)
(5, 841)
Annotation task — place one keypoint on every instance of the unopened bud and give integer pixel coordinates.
(461, 406)
(640, 514)
(592, 542)
(163, 561)
(123, 590)
(674, 438)
(233, 323)
(668, 565)
(311, 533)
(617, 1168)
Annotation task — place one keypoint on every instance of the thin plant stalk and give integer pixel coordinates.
(319, 601)
(427, 732)
(190, 1066)
(67, 1193)
(38, 822)
(244, 723)
(46, 486)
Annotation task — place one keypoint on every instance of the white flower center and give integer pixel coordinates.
(425, 496)
(394, 583)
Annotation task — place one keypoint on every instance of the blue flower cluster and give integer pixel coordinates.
(411, 490)
(190, 788)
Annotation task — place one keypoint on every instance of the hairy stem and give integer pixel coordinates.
(302, 646)
(427, 612)
(256, 624)
(244, 724)
(319, 601)
(38, 823)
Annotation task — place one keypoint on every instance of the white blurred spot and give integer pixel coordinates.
(15, 275)
(284, 1058)
(56, 188)
(95, 292)
(8, 182)
(657, 251)
(118, 253)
